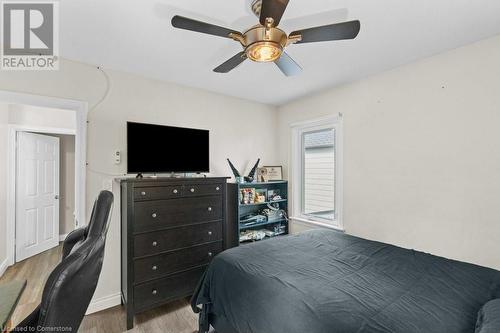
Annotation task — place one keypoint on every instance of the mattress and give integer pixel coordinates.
(325, 281)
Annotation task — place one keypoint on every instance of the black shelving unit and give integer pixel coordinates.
(237, 209)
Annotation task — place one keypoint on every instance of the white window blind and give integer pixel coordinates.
(317, 170)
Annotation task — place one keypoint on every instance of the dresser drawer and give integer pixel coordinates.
(153, 215)
(202, 189)
(157, 192)
(161, 241)
(169, 288)
(154, 267)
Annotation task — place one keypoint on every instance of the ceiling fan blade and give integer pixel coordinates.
(338, 31)
(287, 65)
(232, 63)
(274, 9)
(185, 23)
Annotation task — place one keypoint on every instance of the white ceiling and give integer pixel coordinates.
(136, 36)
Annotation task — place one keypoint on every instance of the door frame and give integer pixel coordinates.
(81, 110)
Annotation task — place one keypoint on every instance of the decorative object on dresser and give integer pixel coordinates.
(251, 175)
(240, 179)
(256, 211)
(171, 229)
(235, 171)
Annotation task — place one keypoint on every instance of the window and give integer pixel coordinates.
(316, 169)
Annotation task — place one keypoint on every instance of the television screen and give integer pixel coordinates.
(164, 149)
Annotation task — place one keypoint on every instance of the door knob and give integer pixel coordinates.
(209, 209)
(210, 233)
(192, 190)
(56, 197)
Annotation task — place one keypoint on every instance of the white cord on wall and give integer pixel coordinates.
(106, 92)
(93, 107)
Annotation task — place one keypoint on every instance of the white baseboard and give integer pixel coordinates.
(62, 237)
(3, 266)
(104, 303)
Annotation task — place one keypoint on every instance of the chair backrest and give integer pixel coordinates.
(71, 285)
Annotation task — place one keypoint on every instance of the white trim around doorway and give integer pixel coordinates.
(81, 109)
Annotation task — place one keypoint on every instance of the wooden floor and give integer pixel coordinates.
(35, 270)
(176, 317)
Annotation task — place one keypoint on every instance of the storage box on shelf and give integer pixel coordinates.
(256, 211)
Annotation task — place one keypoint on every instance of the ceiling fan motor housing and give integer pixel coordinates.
(263, 44)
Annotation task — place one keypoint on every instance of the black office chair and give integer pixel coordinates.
(71, 285)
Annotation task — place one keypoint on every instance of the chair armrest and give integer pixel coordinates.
(74, 237)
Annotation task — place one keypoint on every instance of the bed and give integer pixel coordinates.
(324, 281)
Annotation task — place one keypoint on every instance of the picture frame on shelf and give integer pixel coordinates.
(272, 173)
(262, 175)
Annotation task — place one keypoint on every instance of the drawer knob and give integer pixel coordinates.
(217, 188)
(210, 233)
(210, 254)
(154, 292)
(175, 191)
(154, 243)
(143, 193)
(154, 268)
(209, 209)
(154, 215)
(192, 190)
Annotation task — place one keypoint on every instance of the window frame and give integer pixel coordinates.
(297, 172)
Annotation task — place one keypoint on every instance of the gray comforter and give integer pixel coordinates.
(323, 281)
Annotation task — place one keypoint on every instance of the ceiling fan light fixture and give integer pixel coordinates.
(265, 42)
(264, 51)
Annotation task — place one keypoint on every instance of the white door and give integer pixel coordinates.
(37, 194)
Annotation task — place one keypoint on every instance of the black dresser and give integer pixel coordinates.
(171, 229)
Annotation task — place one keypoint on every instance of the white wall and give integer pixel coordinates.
(4, 119)
(421, 153)
(41, 117)
(230, 120)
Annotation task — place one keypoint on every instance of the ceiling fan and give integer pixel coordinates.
(265, 42)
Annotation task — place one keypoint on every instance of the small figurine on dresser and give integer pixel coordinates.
(248, 179)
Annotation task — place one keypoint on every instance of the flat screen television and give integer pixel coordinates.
(165, 149)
